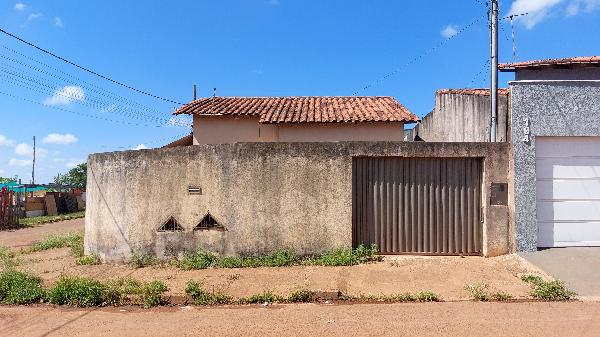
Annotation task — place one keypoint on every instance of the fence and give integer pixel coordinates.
(9, 215)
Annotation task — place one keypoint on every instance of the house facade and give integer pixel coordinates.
(226, 120)
(556, 152)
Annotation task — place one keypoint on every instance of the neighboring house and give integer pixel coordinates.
(462, 115)
(555, 113)
(221, 120)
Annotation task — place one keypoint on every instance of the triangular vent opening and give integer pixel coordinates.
(208, 222)
(171, 226)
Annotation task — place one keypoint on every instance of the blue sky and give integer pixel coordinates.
(243, 48)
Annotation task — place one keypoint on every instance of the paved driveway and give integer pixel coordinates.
(578, 267)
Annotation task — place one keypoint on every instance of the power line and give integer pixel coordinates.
(87, 69)
(419, 57)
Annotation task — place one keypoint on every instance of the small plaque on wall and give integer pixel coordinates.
(194, 190)
(499, 194)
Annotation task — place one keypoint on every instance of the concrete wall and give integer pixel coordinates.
(229, 129)
(462, 118)
(553, 108)
(576, 73)
(267, 195)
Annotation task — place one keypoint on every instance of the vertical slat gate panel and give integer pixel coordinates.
(417, 205)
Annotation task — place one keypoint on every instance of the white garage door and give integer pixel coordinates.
(568, 191)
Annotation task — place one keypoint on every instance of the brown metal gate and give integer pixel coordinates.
(417, 205)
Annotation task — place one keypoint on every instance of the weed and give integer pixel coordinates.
(551, 291)
(229, 262)
(346, 256)
(533, 279)
(234, 277)
(479, 291)
(281, 257)
(20, 288)
(203, 297)
(151, 293)
(87, 260)
(427, 296)
(299, 295)
(7, 258)
(501, 296)
(198, 260)
(119, 290)
(72, 240)
(140, 260)
(265, 297)
(77, 291)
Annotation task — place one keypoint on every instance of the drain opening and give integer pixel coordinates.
(208, 222)
(171, 226)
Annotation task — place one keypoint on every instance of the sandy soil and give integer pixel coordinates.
(445, 276)
(23, 237)
(404, 319)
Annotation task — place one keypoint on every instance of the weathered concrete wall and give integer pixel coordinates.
(267, 195)
(229, 129)
(553, 108)
(462, 118)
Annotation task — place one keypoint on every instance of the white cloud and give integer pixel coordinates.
(58, 160)
(58, 22)
(34, 16)
(20, 6)
(24, 149)
(578, 6)
(57, 138)
(74, 162)
(538, 10)
(66, 95)
(4, 141)
(140, 147)
(19, 162)
(449, 31)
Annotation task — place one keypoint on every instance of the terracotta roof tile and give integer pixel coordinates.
(564, 62)
(476, 92)
(303, 109)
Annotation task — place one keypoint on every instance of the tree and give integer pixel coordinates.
(76, 177)
(8, 180)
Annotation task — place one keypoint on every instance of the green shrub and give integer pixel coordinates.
(346, 256)
(479, 291)
(230, 262)
(7, 257)
(20, 288)
(119, 290)
(38, 220)
(427, 296)
(151, 293)
(551, 291)
(299, 295)
(77, 291)
(72, 240)
(203, 297)
(501, 296)
(198, 260)
(87, 260)
(281, 257)
(140, 260)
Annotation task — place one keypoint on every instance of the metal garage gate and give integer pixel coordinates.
(417, 205)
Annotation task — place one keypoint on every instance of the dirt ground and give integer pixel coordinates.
(446, 276)
(24, 237)
(403, 319)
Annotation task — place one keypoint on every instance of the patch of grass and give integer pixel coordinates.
(427, 296)
(299, 296)
(203, 297)
(265, 297)
(234, 277)
(118, 291)
(88, 260)
(479, 291)
(72, 240)
(19, 288)
(7, 258)
(141, 260)
(39, 220)
(77, 291)
(151, 293)
(533, 279)
(282, 257)
(501, 296)
(422, 296)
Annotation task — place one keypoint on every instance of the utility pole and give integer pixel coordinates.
(194, 91)
(33, 166)
(494, 72)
